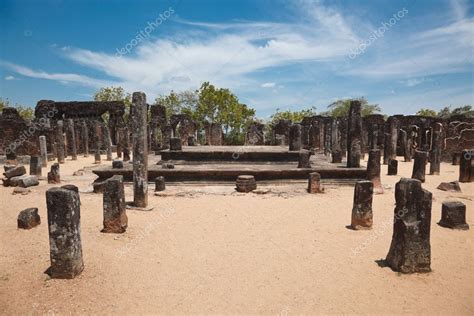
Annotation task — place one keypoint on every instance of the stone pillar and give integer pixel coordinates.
(72, 131)
(115, 216)
(245, 183)
(43, 151)
(35, 166)
(373, 170)
(405, 143)
(60, 141)
(53, 175)
(392, 167)
(140, 149)
(453, 215)
(354, 135)
(295, 137)
(119, 138)
(98, 141)
(362, 208)
(456, 158)
(126, 145)
(466, 174)
(410, 249)
(436, 146)
(304, 159)
(393, 127)
(175, 143)
(160, 184)
(386, 148)
(314, 183)
(419, 166)
(336, 151)
(64, 224)
(85, 139)
(108, 142)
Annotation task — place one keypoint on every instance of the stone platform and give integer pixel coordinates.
(228, 170)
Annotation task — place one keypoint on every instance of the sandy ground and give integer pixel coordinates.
(210, 250)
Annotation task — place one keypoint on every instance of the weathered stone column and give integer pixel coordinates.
(336, 151)
(436, 146)
(419, 166)
(126, 144)
(108, 143)
(362, 209)
(115, 216)
(72, 131)
(140, 149)
(85, 139)
(453, 215)
(373, 170)
(175, 143)
(466, 174)
(43, 151)
(119, 138)
(304, 159)
(64, 224)
(295, 137)
(53, 175)
(314, 183)
(392, 167)
(160, 184)
(410, 250)
(456, 158)
(35, 166)
(98, 141)
(405, 144)
(354, 135)
(393, 127)
(60, 141)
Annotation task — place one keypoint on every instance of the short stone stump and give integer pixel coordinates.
(246, 183)
(453, 215)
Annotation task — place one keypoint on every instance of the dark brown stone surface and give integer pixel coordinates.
(436, 146)
(28, 218)
(449, 186)
(175, 144)
(117, 164)
(362, 217)
(374, 169)
(304, 159)
(97, 141)
(160, 184)
(419, 165)
(314, 183)
(43, 151)
(64, 225)
(115, 216)
(246, 183)
(53, 175)
(410, 250)
(354, 135)
(139, 118)
(392, 167)
(59, 139)
(453, 215)
(295, 142)
(466, 172)
(15, 172)
(35, 166)
(72, 133)
(85, 139)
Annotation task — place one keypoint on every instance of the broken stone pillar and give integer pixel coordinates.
(336, 151)
(245, 183)
(175, 143)
(453, 215)
(35, 166)
(466, 174)
(98, 141)
(373, 170)
(410, 249)
(115, 216)
(362, 208)
(14, 171)
(43, 151)
(436, 146)
(85, 139)
(405, 143)
(314, 183)
(392, 167)
(160, 184)
(72, 131)
(108, 143)
(456, 158)
(304, 159)
(191, 141)
(419, 166)
(295, 137)
(117, 164)
(354, 135)
(60, 141)
(53, 175)
(64, 224)
(28, 218)
(140, 149)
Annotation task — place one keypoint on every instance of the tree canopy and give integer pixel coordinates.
(294, 116)
(340, 108)
(25, 112)
(426, 112)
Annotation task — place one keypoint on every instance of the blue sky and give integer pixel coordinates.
(403, 55)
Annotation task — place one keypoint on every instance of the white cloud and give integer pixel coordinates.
(268, 85)
(9, 78)
(412, 82)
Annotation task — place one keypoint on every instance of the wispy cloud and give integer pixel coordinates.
(268, 85)
(9, 78)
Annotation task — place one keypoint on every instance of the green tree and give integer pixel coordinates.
(446, 112)
(4, 104)
(340, 108)
(184, 102)
(426, 112)
(114, 94)
(25, 112)
(294, 116)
